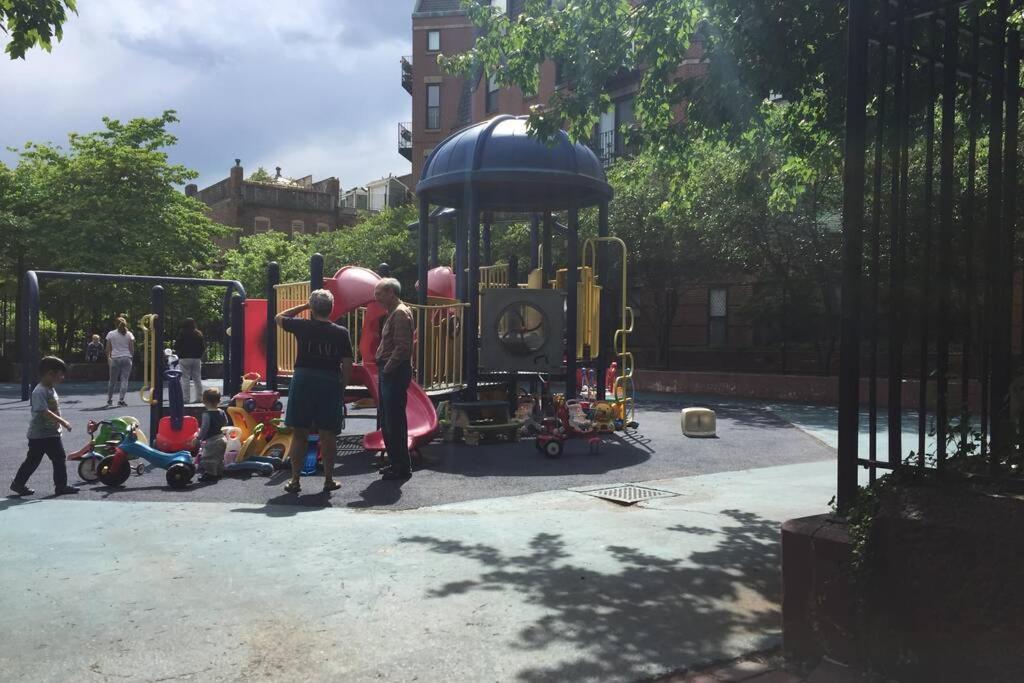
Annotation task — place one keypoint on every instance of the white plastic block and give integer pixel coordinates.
(697, 421)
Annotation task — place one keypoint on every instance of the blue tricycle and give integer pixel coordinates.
(115, 469)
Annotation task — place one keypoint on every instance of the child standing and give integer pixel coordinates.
(214, 420)
(44, 430)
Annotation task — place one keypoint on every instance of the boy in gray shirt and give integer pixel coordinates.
(44, 430)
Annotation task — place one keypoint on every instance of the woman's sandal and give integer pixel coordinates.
(292, 487)
(331, 485)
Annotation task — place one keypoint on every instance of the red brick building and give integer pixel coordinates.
(443, 104)
(281, 204)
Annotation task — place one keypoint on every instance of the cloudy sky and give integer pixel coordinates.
(312, 86)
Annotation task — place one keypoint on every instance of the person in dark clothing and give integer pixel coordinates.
(190, 347)
(316, 393)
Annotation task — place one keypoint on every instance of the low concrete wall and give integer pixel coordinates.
(796, 388)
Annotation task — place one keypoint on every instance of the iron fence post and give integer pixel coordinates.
(853, 220)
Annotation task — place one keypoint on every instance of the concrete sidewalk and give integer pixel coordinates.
(549, 586)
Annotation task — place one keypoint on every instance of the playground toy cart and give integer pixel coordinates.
(113, 470)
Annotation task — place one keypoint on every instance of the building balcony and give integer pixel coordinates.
(405, 140)
(609, 146)
(407, 74)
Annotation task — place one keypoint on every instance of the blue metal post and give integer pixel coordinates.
(572, 250)
(228, 332)
(233, 384)
(472, 330)
(316, 272)
(273, 278)
(28, 325)
(421, 295)
(157, 407)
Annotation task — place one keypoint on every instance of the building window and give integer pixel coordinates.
(718, 307)
(433, 41)
(500, 5)
(491, 105)
(262, 224)
(298, 227)
(322, 227)
(433, 107)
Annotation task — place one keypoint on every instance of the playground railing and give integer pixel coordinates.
(289, 294)
(494, 276)
(443, 355)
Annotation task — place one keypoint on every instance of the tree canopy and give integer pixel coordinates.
(107, 202)
(33, 23)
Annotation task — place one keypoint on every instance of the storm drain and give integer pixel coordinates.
(628, 494)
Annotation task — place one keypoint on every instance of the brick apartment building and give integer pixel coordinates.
(443, 104)
(281, 204)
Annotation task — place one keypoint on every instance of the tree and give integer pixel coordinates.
(32, 23)
(107, 203)
(753, 49)
(261, 175)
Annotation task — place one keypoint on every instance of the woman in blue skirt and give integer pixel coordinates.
(317, 391)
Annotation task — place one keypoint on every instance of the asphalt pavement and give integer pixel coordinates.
(750, 435)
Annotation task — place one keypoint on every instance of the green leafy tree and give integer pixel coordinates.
(33, 23)
(261, 175)
(107, 202)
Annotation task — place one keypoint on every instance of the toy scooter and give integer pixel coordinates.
(103, 438)
(113, 470)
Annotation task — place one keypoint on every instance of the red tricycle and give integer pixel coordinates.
(569, 423)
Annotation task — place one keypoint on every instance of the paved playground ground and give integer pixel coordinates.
(491, 564)
(750, 435)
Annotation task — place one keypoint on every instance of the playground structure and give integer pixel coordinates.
(556, 322)
(482, 170)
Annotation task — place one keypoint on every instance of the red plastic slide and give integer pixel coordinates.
(419, 411)
(352, 287)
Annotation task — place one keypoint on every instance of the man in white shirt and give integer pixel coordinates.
(120, 350)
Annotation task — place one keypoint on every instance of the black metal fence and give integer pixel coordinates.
(929, 223)
(65, 331)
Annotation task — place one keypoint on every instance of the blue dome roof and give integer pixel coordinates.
(512, 171)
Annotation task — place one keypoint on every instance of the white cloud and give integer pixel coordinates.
(311, 86)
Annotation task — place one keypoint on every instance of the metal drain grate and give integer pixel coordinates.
(628, 494)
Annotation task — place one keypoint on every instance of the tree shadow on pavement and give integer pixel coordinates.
(654, 614)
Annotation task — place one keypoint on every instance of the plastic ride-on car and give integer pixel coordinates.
(114, 469)
(104, 436)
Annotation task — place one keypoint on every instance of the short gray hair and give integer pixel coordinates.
(392, 284)
(321, 302)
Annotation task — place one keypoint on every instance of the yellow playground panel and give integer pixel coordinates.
(494, 276)
(588, 311)
(444, 317)
(148, 358)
